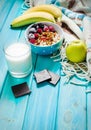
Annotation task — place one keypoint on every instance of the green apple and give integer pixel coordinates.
(76, 51)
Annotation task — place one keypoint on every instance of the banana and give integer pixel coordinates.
(32, 17)
(52, 9)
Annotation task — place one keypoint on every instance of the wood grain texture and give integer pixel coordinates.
(71, 107)
(12, 110)
(48, 107)
(6, 34)
(88, 106)
(42, 106)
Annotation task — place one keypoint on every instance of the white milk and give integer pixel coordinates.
(19, 59)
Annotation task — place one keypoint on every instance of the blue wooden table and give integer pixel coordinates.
(63, 107)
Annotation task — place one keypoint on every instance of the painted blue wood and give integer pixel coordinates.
(42, 105)
(5, 11)
(63, 107)
(88, 99)
(3, 69)
(8, 35)
(12, 110)
(71, 113)
(2, 5)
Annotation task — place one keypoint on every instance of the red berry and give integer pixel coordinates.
(32, 40)
(46, 28)
(51, 28)
(36, 35)
(39, 30)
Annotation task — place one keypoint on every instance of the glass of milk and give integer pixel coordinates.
(19, 59)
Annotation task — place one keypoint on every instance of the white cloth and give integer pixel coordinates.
(82, 6)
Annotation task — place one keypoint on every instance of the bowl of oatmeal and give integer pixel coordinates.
(45, 38)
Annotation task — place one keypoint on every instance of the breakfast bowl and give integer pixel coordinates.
(44, 38)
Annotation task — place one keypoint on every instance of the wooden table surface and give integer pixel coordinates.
(60, 107)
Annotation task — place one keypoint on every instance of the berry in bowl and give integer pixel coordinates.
(44, 38)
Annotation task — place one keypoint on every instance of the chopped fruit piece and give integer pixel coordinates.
(46, 28)
(39, 30)
(51, 28)
(36, 35)
(32, 40)
(32, 30)
(34, 26)
(31, 36)
(41, 25)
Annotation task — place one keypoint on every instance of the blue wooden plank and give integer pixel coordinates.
(8, 35)
(71, 113)
(47, 108)
(12, 110)
(3, 67)
(13, 119)
(5, 11)
(2, 5)
(42, 105)
(88, 99)
(11, 116)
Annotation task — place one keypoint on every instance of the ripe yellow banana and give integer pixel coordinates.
(32, 17)
(52, 9)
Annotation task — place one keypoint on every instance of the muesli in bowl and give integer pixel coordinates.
(44, 37)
